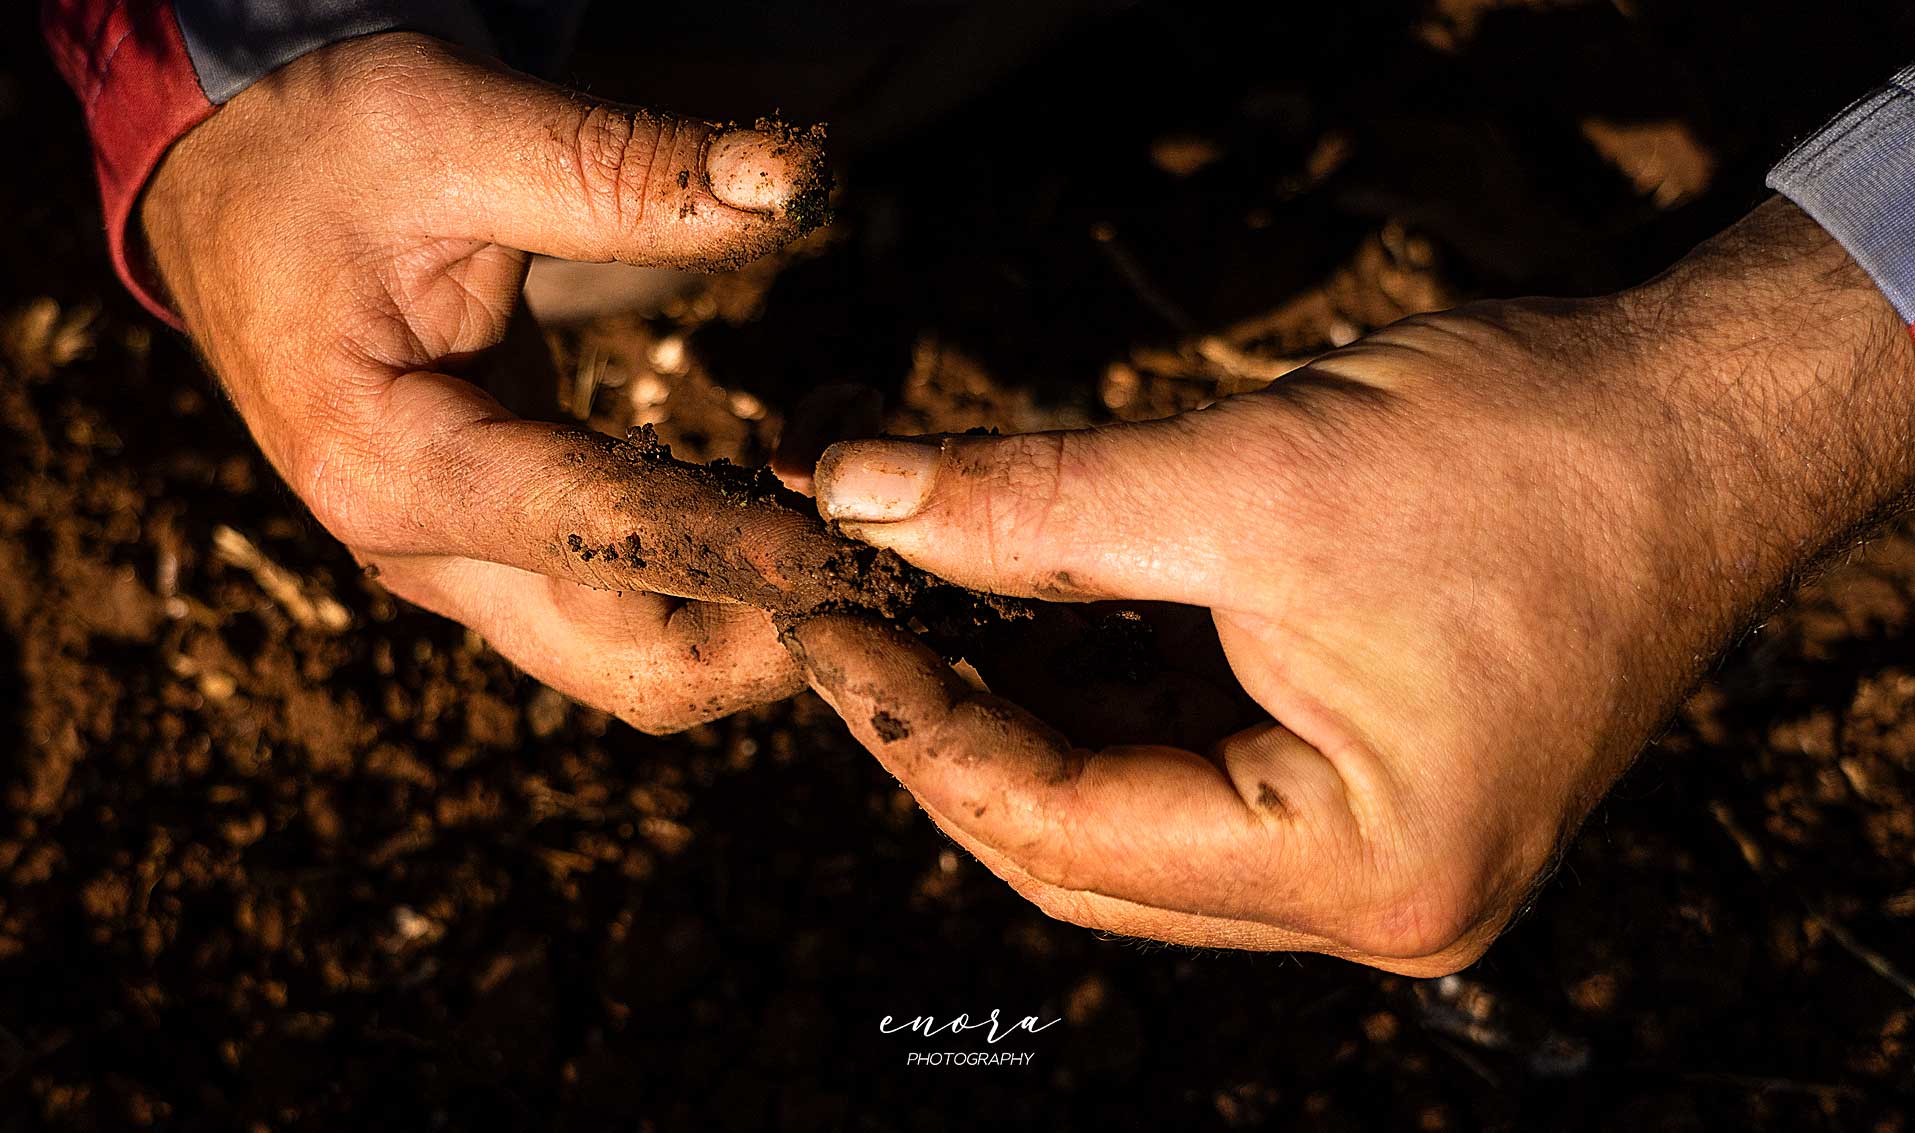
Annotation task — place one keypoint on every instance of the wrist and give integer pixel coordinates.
(1791, 381)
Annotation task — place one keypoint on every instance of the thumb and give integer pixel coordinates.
(1135, 511)
(541, 169)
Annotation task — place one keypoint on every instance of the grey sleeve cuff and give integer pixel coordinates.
(1856, 178)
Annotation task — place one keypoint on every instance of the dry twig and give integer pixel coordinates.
(314, 610)
(1758, 864)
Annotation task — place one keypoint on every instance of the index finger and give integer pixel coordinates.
(1256, 836)
(425, 463)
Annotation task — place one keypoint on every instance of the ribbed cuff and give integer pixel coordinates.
(1856, 177)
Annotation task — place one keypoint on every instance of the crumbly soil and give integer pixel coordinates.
(280, 852)
(702, 537)
(810, 205)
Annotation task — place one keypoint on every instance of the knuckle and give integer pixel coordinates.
(661, 680)
(661, 709)
(391, 84)
(662, 706)
(1428, 917)
(1015, 486)
(1445, 963)
(609, 164)
(1029, 470)
(1439, 887)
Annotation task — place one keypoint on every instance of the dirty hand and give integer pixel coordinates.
(347, 232)
(1465, 565)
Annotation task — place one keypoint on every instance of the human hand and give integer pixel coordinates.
(1466, 565)
(346, 233)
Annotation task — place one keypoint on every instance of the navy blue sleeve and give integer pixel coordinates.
(233, 43)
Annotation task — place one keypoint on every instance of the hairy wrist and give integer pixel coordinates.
(1792, 382)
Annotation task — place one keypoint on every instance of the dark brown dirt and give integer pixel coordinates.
(810, 205)
(259, 873)
(765, 546)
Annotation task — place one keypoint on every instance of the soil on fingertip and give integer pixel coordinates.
(279, 851)
(809, 207)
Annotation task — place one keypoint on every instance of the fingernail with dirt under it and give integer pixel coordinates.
(776, 169)
(876, 481)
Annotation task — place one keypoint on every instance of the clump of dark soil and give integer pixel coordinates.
(730, 532)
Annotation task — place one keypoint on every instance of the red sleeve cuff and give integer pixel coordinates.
(128, 63)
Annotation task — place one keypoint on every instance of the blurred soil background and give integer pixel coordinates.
(280, 852)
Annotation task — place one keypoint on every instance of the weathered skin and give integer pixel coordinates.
(722, 532)
(347, 237)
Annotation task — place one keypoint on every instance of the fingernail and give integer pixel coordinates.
(767, 170)
(876, 481)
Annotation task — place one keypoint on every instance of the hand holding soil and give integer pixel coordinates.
(1466, 565)
(1457, 572)
(348, 231)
